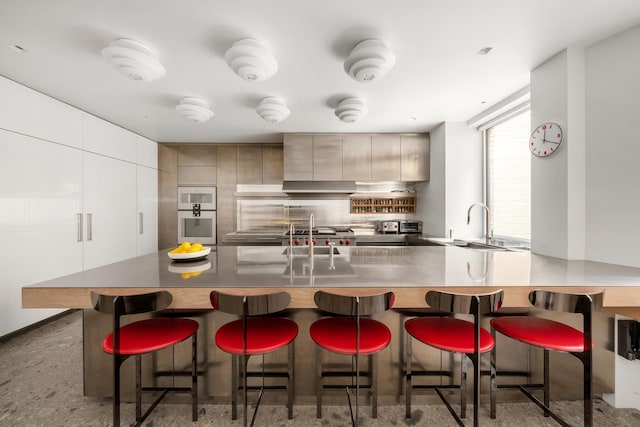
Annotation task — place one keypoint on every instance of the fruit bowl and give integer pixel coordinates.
(190, 256)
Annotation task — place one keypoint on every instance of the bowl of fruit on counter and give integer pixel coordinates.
(189, 252)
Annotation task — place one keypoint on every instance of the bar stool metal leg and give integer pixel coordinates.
(373, 363)
(234, 386)
(463, 386)
(545, 387)
(319, 386)
(291, 384)
(409, 387)
(194, 377)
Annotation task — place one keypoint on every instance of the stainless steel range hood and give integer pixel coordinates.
(319, 187)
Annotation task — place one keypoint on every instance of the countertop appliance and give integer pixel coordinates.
(389, 226)
(410, 227)
(197, 215)
(322, 236)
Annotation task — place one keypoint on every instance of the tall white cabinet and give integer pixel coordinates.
(76, 192)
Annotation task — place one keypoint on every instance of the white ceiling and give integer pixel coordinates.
(438, 74)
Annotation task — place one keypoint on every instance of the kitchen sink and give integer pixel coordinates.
(482, 246)
(322, 250)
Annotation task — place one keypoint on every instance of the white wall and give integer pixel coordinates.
(549, 174)
(455, 182)
(464, 180)
(613, 151)
(586, 197)
(431, 194)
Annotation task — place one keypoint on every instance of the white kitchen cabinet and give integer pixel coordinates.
(29, 112)
(101, 137)
(327, 157)
(298, 157)
(147, 209)
(40, 200)
(109, 205)
(147, 152)
(414, 155)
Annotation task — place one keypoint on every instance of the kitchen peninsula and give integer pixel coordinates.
(407, 271)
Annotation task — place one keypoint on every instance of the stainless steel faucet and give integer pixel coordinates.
(292, 229)
(487, 223)
(311, 224)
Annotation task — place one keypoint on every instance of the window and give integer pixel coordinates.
(509, 177)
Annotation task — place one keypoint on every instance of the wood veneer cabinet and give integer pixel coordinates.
(356, 157)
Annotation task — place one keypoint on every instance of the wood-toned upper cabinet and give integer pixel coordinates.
(385, 157)
(298, 157)
(414, 157)
(327, 157)
(249, 164)
(272, 164)
(356, 157)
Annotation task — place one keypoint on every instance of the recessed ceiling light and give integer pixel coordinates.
(483, 102)
(17, 48)
(485, 50)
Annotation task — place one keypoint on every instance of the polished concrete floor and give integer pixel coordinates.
(41, 385)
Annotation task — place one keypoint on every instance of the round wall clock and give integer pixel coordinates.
(545, 139)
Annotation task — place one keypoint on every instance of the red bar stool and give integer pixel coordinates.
(145, 336)
(456, 336)
(552, 335)
(350, 335)
(253, 335)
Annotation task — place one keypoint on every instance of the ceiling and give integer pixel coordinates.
(438, 76)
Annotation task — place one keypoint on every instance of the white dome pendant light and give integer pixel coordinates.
(369, 60)
(194, 109)
(350, 110)
(251, 60)
(273, 109)
(134, 60)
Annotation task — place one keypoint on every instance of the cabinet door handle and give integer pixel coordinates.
(89, 226)
(141, 220)
(79, 224)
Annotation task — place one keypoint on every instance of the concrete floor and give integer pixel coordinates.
(41, 385)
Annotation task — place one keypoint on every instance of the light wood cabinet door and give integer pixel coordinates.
(327, 158)
(272, 164)
(415, 157)
(298, 157)
(249, 164)
(385, 155)
(356, 157)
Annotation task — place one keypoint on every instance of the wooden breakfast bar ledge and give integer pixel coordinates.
(408, 271)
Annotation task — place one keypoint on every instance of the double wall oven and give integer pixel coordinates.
(197, 215)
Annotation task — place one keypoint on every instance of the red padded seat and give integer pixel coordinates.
(448, 334)
(338, 334)
(541, 332)
(264, 335)
(150, 335)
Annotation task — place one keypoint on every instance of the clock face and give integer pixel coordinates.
(545, 139)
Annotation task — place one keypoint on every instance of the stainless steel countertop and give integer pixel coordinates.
(408, 271)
